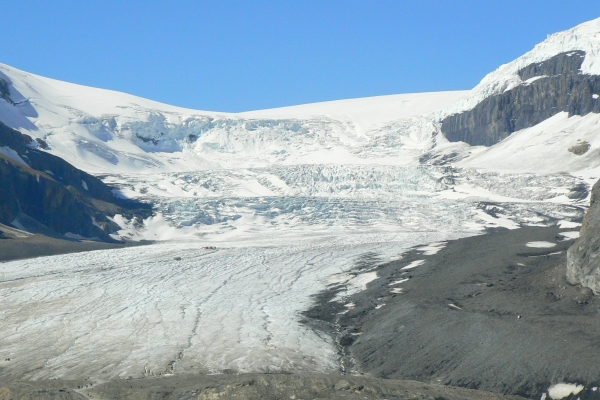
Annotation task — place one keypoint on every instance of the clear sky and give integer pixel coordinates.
(242, 55)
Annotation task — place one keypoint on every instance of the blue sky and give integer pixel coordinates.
(243, 55)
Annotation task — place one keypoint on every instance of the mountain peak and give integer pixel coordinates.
(583, 37)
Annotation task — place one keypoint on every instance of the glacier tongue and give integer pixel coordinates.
(138, 312)
(281, 235)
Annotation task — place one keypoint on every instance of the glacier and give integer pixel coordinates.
(238, 257)
(257, 212)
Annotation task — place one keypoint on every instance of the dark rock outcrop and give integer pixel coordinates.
(5, 91)
(583, 258)
(46, 194)
(560, 86)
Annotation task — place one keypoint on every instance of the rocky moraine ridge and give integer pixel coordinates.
(549, 87)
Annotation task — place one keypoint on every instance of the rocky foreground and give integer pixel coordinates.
(492, 312)
(248, 387)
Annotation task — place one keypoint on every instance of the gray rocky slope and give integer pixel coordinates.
(243, 387)
(486, 312)
(552, 86)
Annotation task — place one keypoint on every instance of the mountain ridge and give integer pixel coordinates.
(41, 193)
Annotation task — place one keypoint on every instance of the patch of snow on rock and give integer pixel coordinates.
(568, 224)
(562, 390)
(541, 245)
(570, 234)
(432, 248)
(414, 264)
(13, 155)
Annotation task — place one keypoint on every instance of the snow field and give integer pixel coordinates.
(544, 148)
(103, 131)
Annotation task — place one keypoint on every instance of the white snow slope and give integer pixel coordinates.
(104, 131)
(293, 199)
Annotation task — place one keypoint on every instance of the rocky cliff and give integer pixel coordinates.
(547, 88)
(583, 257)
(42, 193)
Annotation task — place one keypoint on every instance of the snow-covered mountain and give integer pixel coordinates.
(105, 131)
(582, 38)
(545, 102)
(211, 173)
(42, 193)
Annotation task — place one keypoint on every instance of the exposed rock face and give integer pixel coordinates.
(583, 258)
(553, 86)
(45, 194)
(580, 148)
(5, 91)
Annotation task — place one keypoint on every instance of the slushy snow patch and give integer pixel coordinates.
(562, 390)
(399, 281)
(568, 224)
(541, 244)
(570, 234)
(432, 248)
(360, 282)
(414, 264)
